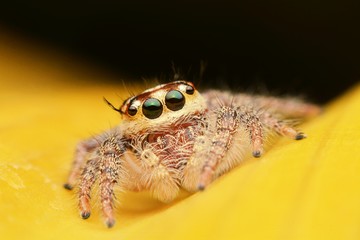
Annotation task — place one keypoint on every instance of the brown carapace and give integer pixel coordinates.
(173, 137)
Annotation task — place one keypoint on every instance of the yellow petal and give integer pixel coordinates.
(305, 189)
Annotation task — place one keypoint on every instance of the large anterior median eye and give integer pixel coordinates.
(174, 100)
(152, 108)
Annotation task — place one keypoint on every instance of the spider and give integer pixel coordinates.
(173, 137)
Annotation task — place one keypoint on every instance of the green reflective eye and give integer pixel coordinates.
(174, 100)
(152, 108)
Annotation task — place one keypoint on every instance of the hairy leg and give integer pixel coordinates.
(81, 152)
(191, 173)
(111, 170)
(281, 127)
(87, 180)
(227, 123)
(250, 120)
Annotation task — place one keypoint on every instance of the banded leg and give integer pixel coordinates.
(110, 170)
(82, 149)
(195, 163)
(226, 125)
(251, 121)
(280, 127)
(87, 181)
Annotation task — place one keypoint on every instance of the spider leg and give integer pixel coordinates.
(193, 168)
(110, 169)
(88, 178)
(82, 149)
(281, 127)
(251, 121)
(227, 123)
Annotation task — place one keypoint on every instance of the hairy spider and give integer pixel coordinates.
(173, 137)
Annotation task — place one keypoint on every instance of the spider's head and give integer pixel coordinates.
(160, 107)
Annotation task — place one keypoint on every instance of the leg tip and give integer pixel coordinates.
(257, 153)
(68, 186)
(85, 215)
(201, 187)
(300, 136)
(110, 223)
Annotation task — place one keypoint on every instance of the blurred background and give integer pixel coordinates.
(298, 47)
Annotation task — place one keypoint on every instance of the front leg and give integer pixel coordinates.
(106, 166)
(227, 123)
(208, 154)
(110, 169)
(210, 149)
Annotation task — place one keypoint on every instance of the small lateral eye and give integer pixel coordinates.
(132, 110)
(152, 108)
(190, 90)
(174, 100)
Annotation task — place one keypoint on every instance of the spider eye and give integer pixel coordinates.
(132, 110)
(190, 90)
(174, 100)
(152, 108)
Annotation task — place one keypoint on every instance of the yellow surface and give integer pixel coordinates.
(306, 189)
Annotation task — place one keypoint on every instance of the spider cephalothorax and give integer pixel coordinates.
(160, 107)
(173, 137)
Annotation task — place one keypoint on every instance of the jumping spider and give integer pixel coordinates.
(172, 137)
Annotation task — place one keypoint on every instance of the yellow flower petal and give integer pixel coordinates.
(305, 189)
